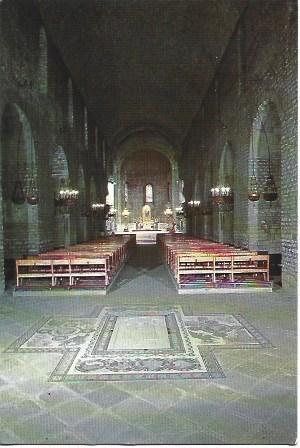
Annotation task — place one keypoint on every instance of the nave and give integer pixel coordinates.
(123, 119)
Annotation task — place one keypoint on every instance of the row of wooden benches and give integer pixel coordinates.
(196, 263)
(92, 265)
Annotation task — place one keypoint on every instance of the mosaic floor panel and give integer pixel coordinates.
(138, 342)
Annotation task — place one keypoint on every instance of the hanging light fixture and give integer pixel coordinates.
(66, 196)
(253, 191)
(222, 195)
(194, 204)
(18, 195)
(97, 206)
(270, 191)
(32, 191)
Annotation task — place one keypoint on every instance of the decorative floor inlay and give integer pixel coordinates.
(224, 331)
(138, 342)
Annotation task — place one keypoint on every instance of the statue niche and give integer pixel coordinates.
(146, 214)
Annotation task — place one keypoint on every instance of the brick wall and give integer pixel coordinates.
(34, 78)
(260, 64)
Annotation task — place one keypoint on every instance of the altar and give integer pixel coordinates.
(144, 236)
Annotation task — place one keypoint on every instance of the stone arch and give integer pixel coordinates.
(20, 221)
(226, 165)
(59, 166)
(149, 141)
(208, 180)
(60, 178)
(264, 219)
(144, 128)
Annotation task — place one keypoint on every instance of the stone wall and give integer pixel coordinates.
(34, 79)
(259, 66)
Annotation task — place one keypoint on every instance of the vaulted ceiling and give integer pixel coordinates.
(142, 62)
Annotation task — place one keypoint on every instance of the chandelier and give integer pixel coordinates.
(97, 206)
(66, 196)
(253, 191)
(32, 192)
(32, 196)
(222, 195)
(194, 204)
(270, 191)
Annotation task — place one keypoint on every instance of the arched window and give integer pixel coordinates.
(149, 193)
(110, 198)
(126, 192)
(86, 129)
(180, 190)
(43, 62)
(70, 104)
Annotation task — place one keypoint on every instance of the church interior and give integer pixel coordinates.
(148, 208)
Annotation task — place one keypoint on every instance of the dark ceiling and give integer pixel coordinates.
(142, 62)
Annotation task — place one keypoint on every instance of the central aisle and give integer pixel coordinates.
(144, 274)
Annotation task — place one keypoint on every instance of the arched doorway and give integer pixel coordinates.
(264, 218)
(20, 219)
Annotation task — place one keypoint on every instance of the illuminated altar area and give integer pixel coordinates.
(147, 189)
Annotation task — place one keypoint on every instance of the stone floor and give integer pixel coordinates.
(254, 404)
